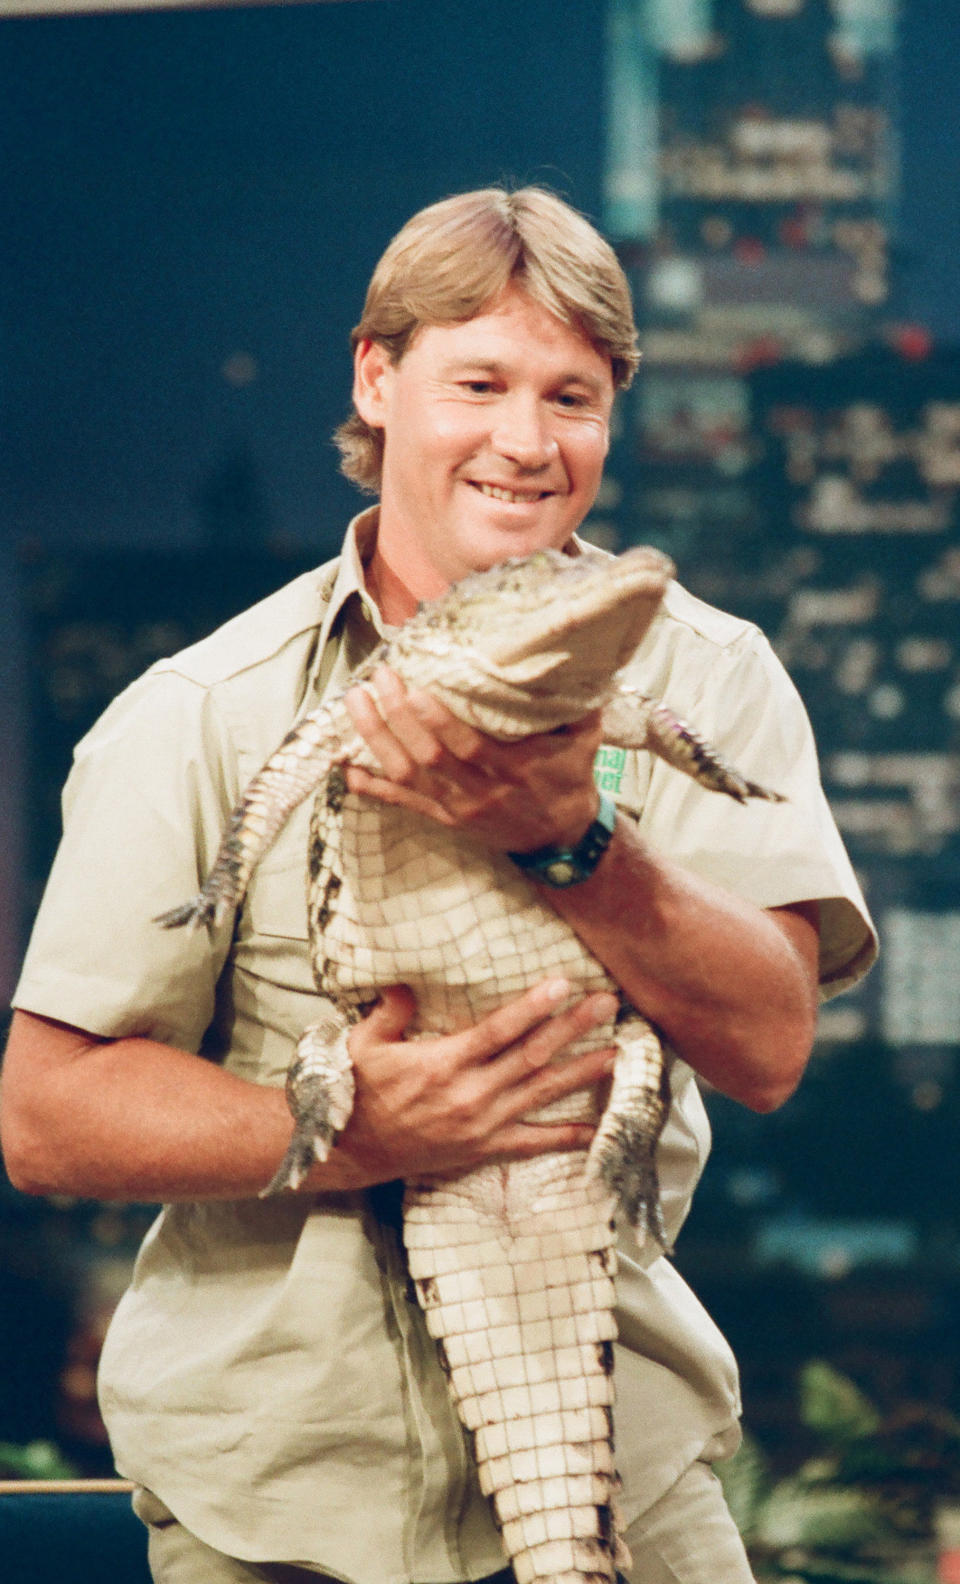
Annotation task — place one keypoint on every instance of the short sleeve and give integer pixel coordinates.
(771, 853)
(144, 806)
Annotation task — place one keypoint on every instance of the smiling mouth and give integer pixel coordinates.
(514, 497)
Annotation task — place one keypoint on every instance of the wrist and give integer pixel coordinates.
(565, 865)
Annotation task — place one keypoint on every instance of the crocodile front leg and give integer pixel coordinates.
(303, 761)
(631, 719)
(320, 1089)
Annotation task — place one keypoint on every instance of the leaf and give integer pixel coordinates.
(832, 1405)
(836, 1520)
(746, 1481)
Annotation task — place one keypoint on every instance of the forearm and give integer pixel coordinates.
(131, 1119)
(731, 985)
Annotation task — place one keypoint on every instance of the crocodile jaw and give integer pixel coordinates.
(535, 643)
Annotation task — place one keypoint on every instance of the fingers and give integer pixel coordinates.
(392, 1014)
(426, 727)
(508, 1135)
(461, 740)
(508, 1024)
(526, 1074)
(408, 731)
(519, 1040)
(418, 746)
(415, 738)
(524, 1140)
(411, 730)
(369, 785)
(451, 1102)
(550, 1039)
(510, 795)
(552, 1083)
(390, 754)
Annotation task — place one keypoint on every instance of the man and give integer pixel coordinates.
(267, 1382)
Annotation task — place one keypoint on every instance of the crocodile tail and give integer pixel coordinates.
(521, 1303)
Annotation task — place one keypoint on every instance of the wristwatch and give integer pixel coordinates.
(567, 866)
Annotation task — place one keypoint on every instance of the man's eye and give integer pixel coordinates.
(478, 387)
(571, 399)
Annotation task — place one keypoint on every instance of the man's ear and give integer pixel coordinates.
(372, 372)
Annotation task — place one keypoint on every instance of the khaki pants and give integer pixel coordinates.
(687, 1537)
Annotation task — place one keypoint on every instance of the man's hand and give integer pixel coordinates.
(130, 1119)
(513, 796)
(443, 1105)
(730, 985)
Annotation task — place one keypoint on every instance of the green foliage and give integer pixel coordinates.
(38, 1460)
(832, 1405)
(746, 1485)
(822, 1516)
(849, 1514)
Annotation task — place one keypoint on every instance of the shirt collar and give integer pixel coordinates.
(348, 578)
(344, 584)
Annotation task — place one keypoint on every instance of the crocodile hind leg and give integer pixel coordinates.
(319, 1091)
(519, 1297)
(623, 1152)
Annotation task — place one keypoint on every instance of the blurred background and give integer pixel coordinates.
(192, 203)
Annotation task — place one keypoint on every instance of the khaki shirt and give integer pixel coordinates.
(267, 1374)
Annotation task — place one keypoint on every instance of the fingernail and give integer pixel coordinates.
(556, 989)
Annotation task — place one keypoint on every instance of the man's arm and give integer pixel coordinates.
(732, 986)
(131, 1119)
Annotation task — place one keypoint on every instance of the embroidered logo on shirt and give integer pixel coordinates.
(608, 768)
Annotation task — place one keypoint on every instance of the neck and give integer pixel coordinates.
(397, 594)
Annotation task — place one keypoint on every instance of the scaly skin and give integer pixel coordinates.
(513, 1264)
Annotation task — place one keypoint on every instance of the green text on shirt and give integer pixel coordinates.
(608, 768)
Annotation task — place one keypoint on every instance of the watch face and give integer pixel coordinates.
(562, 872)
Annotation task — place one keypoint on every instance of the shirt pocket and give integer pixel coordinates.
(276, 901)
(272, 940)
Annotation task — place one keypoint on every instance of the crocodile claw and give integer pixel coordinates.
(192, 912)
(320, 1091)
(625, 1161)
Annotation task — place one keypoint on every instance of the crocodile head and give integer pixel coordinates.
(535, 642)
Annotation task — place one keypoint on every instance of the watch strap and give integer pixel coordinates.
(567, 866)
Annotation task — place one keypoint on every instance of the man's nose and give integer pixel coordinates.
(524, 434)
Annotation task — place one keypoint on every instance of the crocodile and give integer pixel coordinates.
(512, 1263)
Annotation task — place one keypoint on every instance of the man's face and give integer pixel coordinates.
(495, 435)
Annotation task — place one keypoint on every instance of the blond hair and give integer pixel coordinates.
(455, 257)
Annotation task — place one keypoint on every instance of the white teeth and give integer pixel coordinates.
(507, 495)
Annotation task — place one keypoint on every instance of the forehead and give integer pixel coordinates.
(514, 331)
